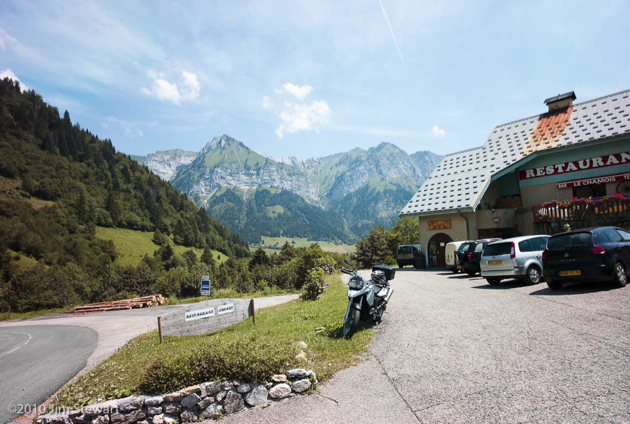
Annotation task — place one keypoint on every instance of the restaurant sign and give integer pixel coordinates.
(593, 181)
(443, 224)
(576, 165)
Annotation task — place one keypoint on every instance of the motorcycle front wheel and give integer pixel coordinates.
(350, 325)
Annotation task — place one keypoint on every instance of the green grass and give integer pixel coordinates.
(12, 316)
(133, 245)
(273, 244)
(277, 329)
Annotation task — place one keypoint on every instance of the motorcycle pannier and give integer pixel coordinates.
(389, 271)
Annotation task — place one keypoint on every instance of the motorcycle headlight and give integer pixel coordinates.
(355, 284)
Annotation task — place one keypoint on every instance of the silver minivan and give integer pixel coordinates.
(517, 257)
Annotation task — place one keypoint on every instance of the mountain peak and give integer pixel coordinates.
(219, 141)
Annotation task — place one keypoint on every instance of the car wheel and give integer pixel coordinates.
(554, 285)
(471, 272)
(621, 279)
(532, 276)
(493, 281)
(454, 270)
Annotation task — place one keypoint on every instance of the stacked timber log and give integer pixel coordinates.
(116, 305)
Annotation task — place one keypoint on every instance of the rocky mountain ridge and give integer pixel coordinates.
(385, 175)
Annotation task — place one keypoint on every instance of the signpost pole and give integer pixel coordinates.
(251, 305)
(160, 329)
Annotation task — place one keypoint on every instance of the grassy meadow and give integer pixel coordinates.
(133, 245)
(274, 244)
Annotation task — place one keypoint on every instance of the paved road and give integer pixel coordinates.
(37, 360)
(454, 349)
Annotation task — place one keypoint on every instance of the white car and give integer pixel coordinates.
(518, 257)
(452, 261)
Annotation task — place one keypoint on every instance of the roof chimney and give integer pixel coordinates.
(560, 101)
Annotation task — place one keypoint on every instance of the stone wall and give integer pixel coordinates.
(206, 400)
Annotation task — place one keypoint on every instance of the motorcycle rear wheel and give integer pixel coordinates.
(350, 325)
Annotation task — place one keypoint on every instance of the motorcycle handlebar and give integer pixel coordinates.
(346, 271)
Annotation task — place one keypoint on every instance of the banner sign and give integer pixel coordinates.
(206, 317)
(198, 314)
(226, 309)
(576, 165)
(593, 181)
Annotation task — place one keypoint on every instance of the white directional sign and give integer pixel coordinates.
(206, 317)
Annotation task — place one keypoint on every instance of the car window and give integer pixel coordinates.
(464, 247)
(538, 243)
(625, 236)
(479, 247)
(613, 235)
(601, 238)
(498, 249)
(569, 240)
(525, 246)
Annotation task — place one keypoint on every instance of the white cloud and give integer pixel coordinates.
(8, 73)
(438, 132)
(299, 91)
(267, 102)
(129, 129)
(165, 91)
(303, 117)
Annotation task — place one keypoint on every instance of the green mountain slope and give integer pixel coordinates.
(63, 182)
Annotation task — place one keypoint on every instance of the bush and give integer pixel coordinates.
(314, 284)
(246, 360)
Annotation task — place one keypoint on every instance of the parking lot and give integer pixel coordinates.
(455, 349)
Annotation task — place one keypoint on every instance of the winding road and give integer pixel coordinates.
(36, 360)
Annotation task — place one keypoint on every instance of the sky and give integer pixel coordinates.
(311, 78)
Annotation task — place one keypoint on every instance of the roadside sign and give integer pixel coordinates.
(205, 285)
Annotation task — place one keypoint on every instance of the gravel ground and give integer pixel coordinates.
(454, 349)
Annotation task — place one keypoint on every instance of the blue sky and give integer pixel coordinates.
(312, 78)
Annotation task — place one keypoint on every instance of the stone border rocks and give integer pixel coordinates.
(206, 400)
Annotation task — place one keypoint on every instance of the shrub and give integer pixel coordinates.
(244, 359)
(313, 285)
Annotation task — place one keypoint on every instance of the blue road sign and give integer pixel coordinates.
(205, 285)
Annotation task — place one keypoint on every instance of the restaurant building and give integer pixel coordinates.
(528, 176)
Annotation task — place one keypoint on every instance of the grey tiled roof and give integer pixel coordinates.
(462, 177)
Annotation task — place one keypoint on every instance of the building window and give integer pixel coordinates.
(595, 190)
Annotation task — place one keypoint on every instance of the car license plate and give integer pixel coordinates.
(459, 267)
(568, 273)
(497, 262)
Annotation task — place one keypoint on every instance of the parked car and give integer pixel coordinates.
(589, 254)
(451, 256)
(410, 254)
(462, 253)
(517, 257)
(470, 264)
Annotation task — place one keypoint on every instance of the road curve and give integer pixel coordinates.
(36, 360)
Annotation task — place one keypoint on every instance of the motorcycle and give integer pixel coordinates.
(367, 299)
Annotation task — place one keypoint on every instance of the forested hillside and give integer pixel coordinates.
(58, 182)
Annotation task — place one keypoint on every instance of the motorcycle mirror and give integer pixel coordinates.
(348, 261)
